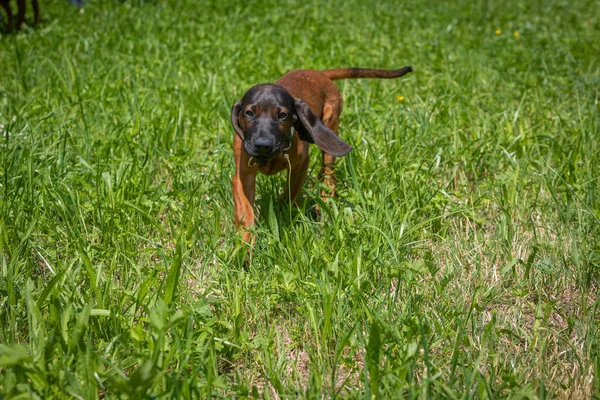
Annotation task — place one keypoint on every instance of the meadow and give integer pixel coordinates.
(460, 258)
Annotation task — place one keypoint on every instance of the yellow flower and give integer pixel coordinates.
(516, 34)
(400, 98)
(498, 31)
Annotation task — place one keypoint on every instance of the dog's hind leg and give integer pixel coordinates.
(331, 113)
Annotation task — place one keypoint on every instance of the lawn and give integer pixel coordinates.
(459, 259)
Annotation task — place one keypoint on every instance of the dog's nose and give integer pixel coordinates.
(264, 144)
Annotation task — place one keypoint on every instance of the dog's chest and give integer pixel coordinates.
(293, 158)
(274, 165)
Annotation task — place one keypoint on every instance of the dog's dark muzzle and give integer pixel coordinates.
(264, 148)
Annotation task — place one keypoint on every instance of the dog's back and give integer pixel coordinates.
(310, 85)
(314, 87)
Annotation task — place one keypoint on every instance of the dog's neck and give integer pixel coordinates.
(290, 136)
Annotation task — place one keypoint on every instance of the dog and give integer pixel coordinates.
(21, 6)
(274, 125)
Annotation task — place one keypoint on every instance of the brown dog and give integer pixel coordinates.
(21, 6)
(266, 120)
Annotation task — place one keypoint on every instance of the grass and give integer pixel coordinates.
(460, 259)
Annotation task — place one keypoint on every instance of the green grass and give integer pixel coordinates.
(460, 259)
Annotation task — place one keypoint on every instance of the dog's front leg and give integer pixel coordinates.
(243, 186)
(295, 181)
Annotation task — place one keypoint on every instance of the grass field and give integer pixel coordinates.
(460, 259)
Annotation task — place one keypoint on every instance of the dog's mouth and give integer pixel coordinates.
(263, 157)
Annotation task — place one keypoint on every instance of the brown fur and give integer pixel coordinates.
(324, 100)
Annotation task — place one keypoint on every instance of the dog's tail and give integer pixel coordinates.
(349, 73)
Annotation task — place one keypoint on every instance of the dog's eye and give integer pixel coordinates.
(282, 115)
(249, 113)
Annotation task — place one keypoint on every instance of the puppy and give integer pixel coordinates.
(275, 123)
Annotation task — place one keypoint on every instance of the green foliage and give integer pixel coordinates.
(460, 258)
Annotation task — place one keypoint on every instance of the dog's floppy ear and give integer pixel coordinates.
(235, 112)
(313, 130)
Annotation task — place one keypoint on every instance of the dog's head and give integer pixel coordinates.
(265, 117)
